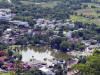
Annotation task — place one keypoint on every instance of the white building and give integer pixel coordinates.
(46, 71)
(51, 26)
(5, 16)
(68, 34)
(20, 23)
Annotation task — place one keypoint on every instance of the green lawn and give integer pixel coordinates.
(0, 0)
(10, 73)
(3, 0)
(79, 18)
(26, 2)
(13, 46)
(89, 12)
(90, 4)
(5, 74)
(49, 4)
(43, 4)
(85, 20)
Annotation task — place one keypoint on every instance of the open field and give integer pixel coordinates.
(88, 15)
(10, 73)
(5, 74)
(43, 4)
(90, 4)
(90, 12)
(85, 20)
(87, 12)
(26, 2)
(49, 4)
(79, 18)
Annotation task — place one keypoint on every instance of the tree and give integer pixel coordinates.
(2, 46)
(1, 63)
(92, 65)
(10, 53)
(55, 43)
(18, 67)
(98, 38)
(34, 72)
(82, 60)
(64, 46)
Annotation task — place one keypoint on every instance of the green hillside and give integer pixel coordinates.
(4, 0)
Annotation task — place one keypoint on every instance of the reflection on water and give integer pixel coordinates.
(40, 53)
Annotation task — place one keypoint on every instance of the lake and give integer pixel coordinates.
(39, 53)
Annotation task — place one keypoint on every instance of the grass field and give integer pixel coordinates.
(10, 73)
(91, 13)
(49, 4)
(3, 0)
(85, 20)
(79, 18)
(5, 74)
(87, 12)
(43, 4)
(26, 2)
(90, 4)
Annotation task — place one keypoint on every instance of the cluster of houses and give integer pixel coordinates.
(14, 32)
(5, 14)
(8, 63)
(52, 24)
(11, 34)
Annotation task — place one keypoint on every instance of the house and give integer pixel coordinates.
(43, 26)
(40, 21)
(25, 66)
(3, 71)
(4, 16)
(50, 62)
(9, 29)
(56, 32)
(29, 31)
(71, 25)
(86, 42)
(5, 10)
(2, 58)
(20, 23)
(9, 66)
(74, 40)
(33, 33)
(43, 33)
(47, 71)
(51, 26)
(68, 34)
(1, 39)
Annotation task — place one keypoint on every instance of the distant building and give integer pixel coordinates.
(47, 71)
(5, 16)
(67, 24)
(74, 40)
(68, 34)
(20, 23)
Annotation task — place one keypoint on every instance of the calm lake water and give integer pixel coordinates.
(39, 53)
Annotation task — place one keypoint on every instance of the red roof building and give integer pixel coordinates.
(2, 58)
(74, 39)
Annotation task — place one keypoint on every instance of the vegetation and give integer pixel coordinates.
(91, 66)
(34, 72)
